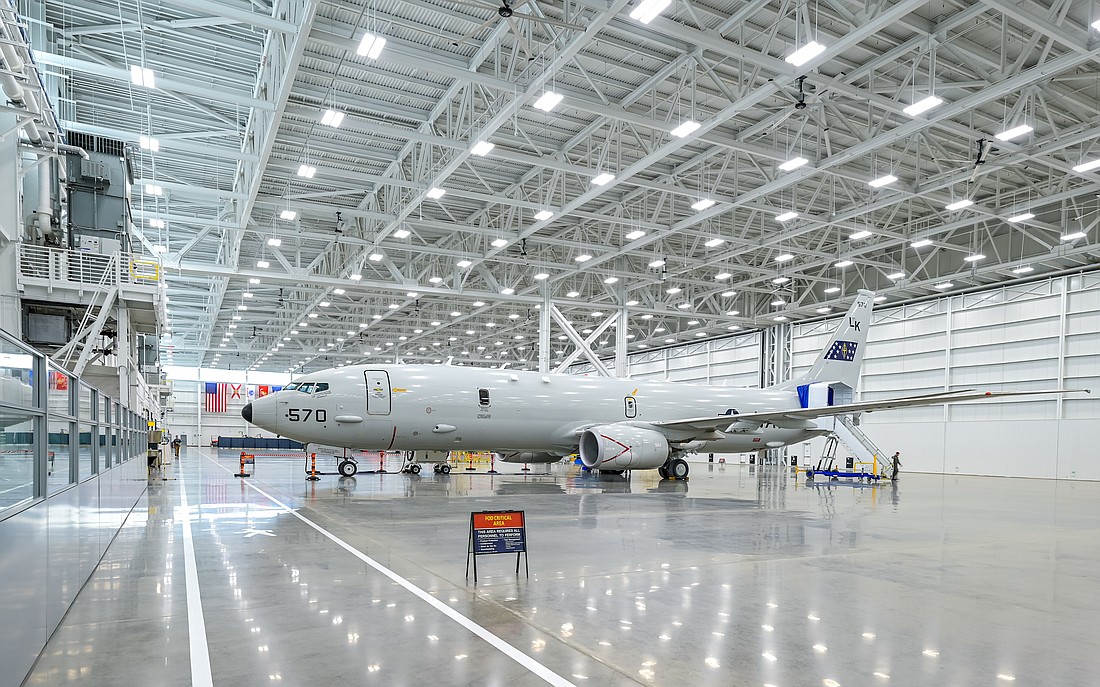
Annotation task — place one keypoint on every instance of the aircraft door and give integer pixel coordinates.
(631, 407)
(378, 392)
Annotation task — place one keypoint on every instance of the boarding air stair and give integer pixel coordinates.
(861, 446)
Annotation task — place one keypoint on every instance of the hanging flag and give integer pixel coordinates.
(276, 388)
(215, 397)
(236, 389)
(263, 390)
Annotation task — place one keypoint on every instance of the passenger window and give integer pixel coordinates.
(321, 386)
(306, 388)
(483, 397)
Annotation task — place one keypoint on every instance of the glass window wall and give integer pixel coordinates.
(85, 402)
(86, 452)
(58, 455)
(16, 375)
(59, 394)
(17, 441)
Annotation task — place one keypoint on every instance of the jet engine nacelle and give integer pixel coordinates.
(530, 457)
(623, 447)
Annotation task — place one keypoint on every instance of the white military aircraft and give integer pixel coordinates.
(614, 424)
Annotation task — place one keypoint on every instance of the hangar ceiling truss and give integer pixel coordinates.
(361, 259)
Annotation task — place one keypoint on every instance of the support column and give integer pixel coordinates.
(544, 329)
(620, 344)
(11, 182)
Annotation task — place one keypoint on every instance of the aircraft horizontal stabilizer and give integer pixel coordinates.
(721, 422)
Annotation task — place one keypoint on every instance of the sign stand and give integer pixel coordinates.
(497, 531)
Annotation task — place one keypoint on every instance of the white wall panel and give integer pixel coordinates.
(1032, 336)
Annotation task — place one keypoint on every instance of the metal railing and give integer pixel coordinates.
(59, 267)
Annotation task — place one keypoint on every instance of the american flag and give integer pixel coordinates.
(215, 397)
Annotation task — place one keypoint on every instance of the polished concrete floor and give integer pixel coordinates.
(740, 576)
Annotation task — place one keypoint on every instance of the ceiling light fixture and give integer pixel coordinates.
(463, 263)
(895, 276)
(154, 190)
(274, 242)
(435, 193)
(149, 143)
(583, 258)
(785, 257)
(307, 171)
(793, 163)
(781, 280)
(833, 289)
(958, 205)
(263, 264)
(482, 148)
(882, 181)
(288, 215)
(548, 101)
(1014, 132)
(722, 276)
(610, 280)
(922, 106)
(1074, 236)
(786, 216)
(944, 285)
(843, 263)
(541, 276)
(729, 294)
(685, 129)
(332, 118)
(702, 204)
(143, 76)
(1023, 269)
(974, 258)
(499, 243)
(714, 242)
(572, 294)
(543, 214)
(1022, 217)
(1087, 166)
(657, 263)
(401, 233)
(634, 235)
(805, 53)
(647, 10)
(859, 235)
(603, 179)
(375, 257)
(370, 46)
(355, 277)
(156, 223)
(921, 243)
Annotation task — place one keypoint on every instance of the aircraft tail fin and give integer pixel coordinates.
(842, 357)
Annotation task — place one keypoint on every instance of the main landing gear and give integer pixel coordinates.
(674, 468)
(347, 468)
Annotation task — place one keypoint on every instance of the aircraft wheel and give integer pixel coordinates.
(348, 468)
(663, 472)
(414, 469)
(445, 469)
(678, 468)
(435, 469)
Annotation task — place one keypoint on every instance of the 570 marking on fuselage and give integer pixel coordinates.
(303, 414)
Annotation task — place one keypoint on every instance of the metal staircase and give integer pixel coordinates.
(861, 446)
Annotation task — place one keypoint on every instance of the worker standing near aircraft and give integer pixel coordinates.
(895, 463)
(176, 448)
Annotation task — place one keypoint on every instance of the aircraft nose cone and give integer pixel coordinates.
(246, 412)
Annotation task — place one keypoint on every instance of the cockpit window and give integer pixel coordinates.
(291, 387)
(319, 387)
(306, 388)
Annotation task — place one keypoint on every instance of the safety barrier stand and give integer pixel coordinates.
(470, 455)
(313, 468)
(525, 468)
(246, 459)
(493, 464)
(381, 461)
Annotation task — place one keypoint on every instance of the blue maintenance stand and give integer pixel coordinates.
(846, 474)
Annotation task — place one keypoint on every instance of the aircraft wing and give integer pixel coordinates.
(721, 422)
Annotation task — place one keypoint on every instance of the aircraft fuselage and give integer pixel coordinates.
(435, 407)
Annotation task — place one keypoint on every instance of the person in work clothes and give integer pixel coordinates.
(895, 463)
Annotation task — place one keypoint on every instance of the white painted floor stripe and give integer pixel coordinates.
(196, 621)
(504, 647)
